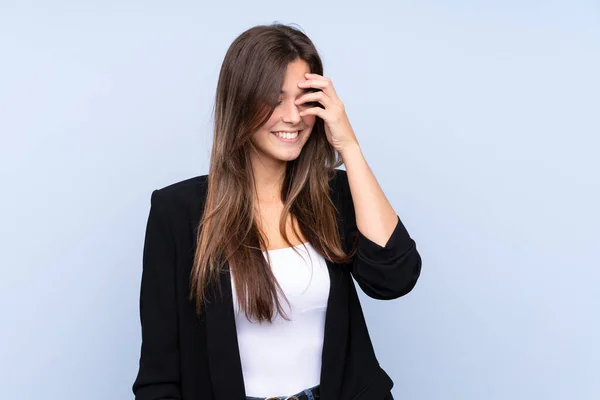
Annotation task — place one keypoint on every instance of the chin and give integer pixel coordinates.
(286, 155)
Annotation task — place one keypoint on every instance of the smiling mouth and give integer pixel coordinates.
(287, 136)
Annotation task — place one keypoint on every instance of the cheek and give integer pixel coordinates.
(309, 120)
(273, 120)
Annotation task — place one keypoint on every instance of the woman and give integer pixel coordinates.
(247, 288)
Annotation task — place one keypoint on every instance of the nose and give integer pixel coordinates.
(291, 114)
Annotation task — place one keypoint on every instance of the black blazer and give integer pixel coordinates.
(191, 358)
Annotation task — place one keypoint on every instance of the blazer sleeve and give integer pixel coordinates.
(158, 374)
(383, 272)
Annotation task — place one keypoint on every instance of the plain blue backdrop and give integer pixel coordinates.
(480, 119)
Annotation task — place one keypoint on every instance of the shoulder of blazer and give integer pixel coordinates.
(187, 193)
(340, 190)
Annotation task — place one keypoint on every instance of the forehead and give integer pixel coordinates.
(298, 91)
(295, 73)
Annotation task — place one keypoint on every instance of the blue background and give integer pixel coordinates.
(480, 120)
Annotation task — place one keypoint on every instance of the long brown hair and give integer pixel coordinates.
(248, 88)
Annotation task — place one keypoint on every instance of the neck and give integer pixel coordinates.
(269, 180)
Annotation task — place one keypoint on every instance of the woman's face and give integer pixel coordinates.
(285, 133)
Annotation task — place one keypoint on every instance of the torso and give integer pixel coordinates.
(267, 349)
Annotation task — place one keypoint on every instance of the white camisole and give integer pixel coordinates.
(284, 357)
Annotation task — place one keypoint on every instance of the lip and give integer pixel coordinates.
(288, 140)
(288, 131)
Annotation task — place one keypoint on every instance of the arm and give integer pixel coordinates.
(158, 374)
(387, 263)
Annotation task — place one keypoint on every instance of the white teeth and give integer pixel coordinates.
(286, 135)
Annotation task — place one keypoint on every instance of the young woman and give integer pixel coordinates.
(248, 277)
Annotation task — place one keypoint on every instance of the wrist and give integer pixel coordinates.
(350, 152)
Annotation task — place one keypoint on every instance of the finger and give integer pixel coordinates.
(318, 82)
(319, 97)
(318, 111)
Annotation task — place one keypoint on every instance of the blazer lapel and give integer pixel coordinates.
(221, 340)
(336, 317)
(336, 333)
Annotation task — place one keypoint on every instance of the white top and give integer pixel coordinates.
(284, 357)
